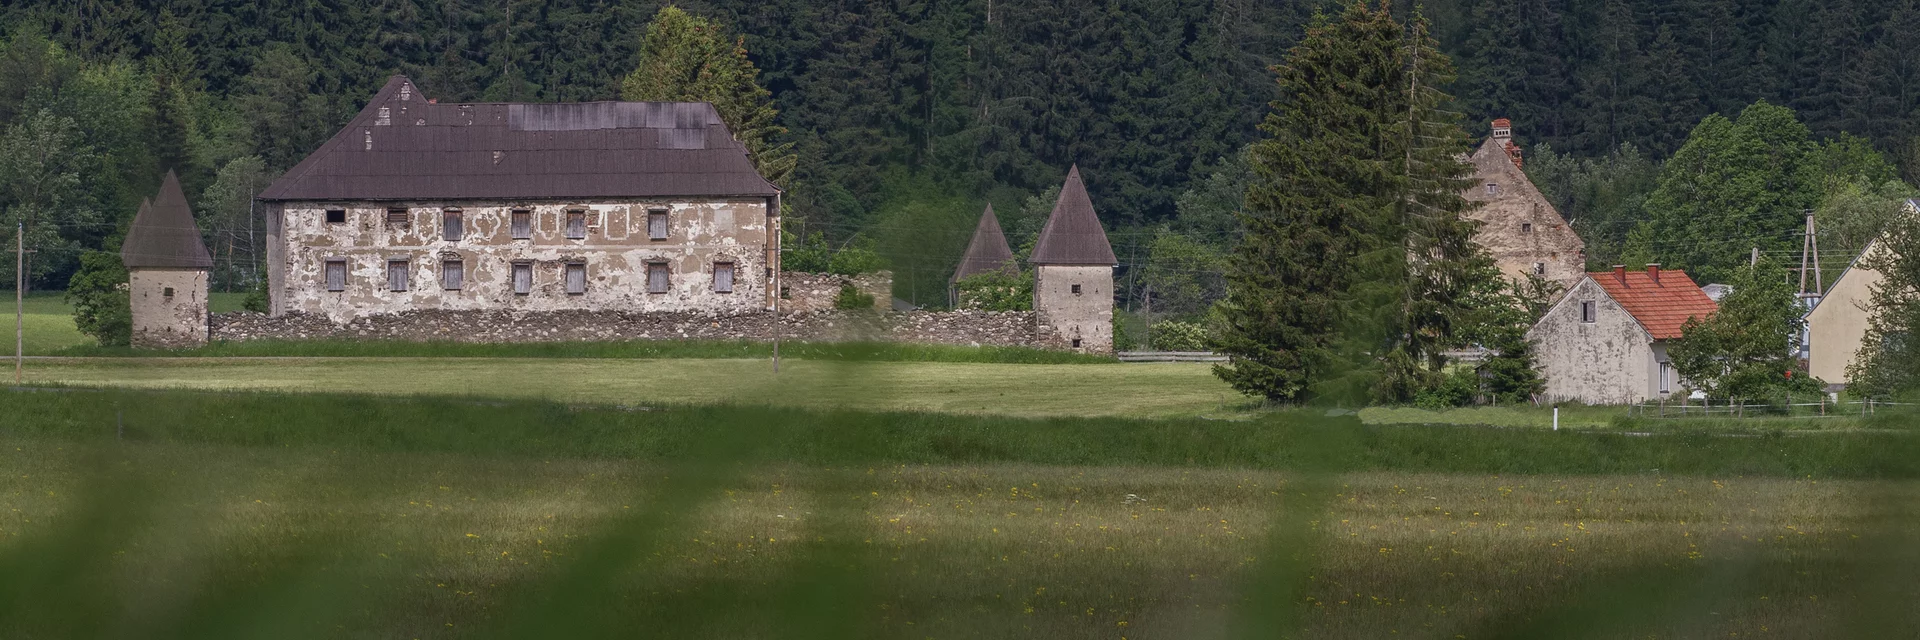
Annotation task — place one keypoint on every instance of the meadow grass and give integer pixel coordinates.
(627, 349)
(159, 538)
(1004, 389)
(48, 321)
(1274, 441)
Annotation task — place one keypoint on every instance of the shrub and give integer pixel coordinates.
(852, 298)
(256, 300)
(98, 293)
(853, 261)
(1179, 335)
(996, 291)
(1456, 389)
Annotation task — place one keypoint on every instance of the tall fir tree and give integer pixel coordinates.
(688, 57)
(1352, 272)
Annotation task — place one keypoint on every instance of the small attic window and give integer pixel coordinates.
(1076, 289)
(336, 216)
(167, 293)
(397, 218)
(1539, 268)
(1586, 312)
(1526, 227)
(1493, 188)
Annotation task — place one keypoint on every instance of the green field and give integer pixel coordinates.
(215, 515)
(1006, 389)
(48, 321)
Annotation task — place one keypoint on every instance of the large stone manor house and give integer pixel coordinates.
(415, 204)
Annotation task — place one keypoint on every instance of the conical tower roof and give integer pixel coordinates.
(164, 234)
(988, 250)
(1073, 234)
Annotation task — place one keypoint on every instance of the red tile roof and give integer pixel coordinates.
(1661, 308)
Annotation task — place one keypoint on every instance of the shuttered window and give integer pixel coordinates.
(397, 218)
(452, 226)
(656, 277)
(576, 277)
(452, 272)
(397, 275)
(522, 224)
(576, 224)
(1586, 312)
(723, 277)
(522, 278)
(657, 224)
(336, 275)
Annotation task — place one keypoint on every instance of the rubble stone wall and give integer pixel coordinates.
(970, 328)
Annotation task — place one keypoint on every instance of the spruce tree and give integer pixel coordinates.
(688, 57)
(1352, 275)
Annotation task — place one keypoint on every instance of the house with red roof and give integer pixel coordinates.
(1605, 341)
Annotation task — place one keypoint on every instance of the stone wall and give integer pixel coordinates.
(1518, 225)
(810, 292)
(1078, 302)
(169, 307)
(970, 328)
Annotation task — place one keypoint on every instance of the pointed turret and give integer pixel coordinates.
(164, 235)
(167, 269)
(988, 251)
(1073, 235)
(1073, 273)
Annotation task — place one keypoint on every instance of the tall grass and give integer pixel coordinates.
(1274, 441)
(652, 349)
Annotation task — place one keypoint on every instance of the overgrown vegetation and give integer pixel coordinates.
(996, 291)
(1746, 348)
(98, 294)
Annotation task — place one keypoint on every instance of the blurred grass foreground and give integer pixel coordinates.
(158, 514)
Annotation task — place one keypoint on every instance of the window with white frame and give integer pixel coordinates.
(1666, 377)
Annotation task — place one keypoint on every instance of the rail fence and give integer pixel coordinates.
(1806, 407)
(1169, 356)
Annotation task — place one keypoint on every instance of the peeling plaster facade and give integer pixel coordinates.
(616, 251)
(169, 307)
(1612, 360)
(1518, 226)
(1085, 315)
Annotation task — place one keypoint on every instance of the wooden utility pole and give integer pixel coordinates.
(19, 301)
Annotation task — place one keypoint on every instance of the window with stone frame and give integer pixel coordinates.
(576, 273)
(522, 278)
(576, 224)
(397, 275)
(336, 274)
(723, 277)
(657, 224)
(658, 280)
(521, 224)
(453, 274)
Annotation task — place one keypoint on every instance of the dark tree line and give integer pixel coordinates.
(884, 99)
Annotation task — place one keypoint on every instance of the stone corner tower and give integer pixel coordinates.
(1073, 272)
(167, 268)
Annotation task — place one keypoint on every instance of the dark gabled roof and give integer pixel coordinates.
(988, 250)
(1073, 234)
(164, 234)
(404, 147)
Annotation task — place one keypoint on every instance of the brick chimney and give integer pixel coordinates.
(1653, 273)
(1503, 134)
(1620, 273)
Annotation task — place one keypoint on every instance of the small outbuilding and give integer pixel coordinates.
(1605, 341)
(167, 268)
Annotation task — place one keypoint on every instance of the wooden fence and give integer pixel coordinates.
(1804, 406)
(1170, 356)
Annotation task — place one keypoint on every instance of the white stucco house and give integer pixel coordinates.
(1605, 341)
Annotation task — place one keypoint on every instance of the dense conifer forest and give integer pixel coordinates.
(908, 115)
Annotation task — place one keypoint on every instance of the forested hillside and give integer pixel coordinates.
(909, 114)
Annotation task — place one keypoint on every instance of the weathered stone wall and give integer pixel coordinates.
(810, 292)
(1518, 225)
(162, 321)
(616, 250)
(1085, 315)
(972, 328)
(1608, 361)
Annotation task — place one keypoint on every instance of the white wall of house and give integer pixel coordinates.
(1837, 327)
(1611, 360)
